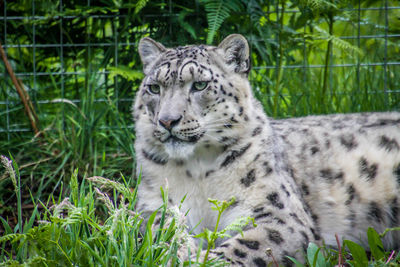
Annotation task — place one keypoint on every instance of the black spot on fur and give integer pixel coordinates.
(352, 218)
(224, 139)
(233, 119)
(329, 175)
(235, 154)
(259, 209)
(256, 131)
(256, 157)
(314, 150)
(396, 173)
(348, 141)
(222, 90)
(279, 220)
(275, 236)
(154, 158)
(305, 189)
(275, 201)
(268, 170)
(314, 217)
(305, 237)
(228, 125)
(251, 244)
(366, 170)
(262, 215)
(394, 212)
(209, 172)
(296, 218)
(240, 111)
(188, 174)
(249, 178)
(351, 192)
(375, 211)
(315, 234)
(285, 190)
(388, 143)
(240, 253)
(259, 262)
(383, 122)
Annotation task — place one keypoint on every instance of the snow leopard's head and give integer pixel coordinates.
(191, 96)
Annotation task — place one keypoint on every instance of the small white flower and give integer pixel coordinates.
(7, 163)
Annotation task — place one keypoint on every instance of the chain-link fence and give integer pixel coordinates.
(80, 56)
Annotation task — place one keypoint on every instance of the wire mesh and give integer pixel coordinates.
(55, 70)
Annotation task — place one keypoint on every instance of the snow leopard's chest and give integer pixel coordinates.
(196, 182)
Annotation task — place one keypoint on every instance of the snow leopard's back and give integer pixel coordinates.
(348, 169)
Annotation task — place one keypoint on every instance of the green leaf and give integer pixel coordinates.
(298, 264)
(126, 72)
(375, 244)
(7, 227)
(237, 226)
(359, 255)
(140, 5)
(314, 256)
(217, 12)
(94, 253)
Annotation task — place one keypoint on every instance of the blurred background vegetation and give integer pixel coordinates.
(77, 62)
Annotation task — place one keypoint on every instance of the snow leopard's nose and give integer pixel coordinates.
(169, 122)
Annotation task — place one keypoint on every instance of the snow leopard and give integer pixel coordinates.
(201, 132)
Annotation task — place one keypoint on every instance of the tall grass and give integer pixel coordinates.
(95, 225)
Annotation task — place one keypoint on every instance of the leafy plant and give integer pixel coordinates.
(95, 225)
(211, 236)
(217, 12)
(356, 256)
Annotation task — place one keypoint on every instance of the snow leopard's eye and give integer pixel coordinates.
(154, 88)
(199, 86)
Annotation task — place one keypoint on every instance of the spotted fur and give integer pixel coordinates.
(201, 132)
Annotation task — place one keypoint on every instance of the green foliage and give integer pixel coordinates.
(375, 244)
(96, 225)
(237, 225)
(358, 253)
(126, 72)
(217, 12)
(352, 254)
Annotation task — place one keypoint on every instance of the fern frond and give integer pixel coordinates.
(343, 45)
(318, 5)
(217, 12)
(125, 72)
(140, 5)
(11, 237)
(236, 226)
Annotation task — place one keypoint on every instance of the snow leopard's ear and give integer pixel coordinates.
(236, 53)
(149, 51)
